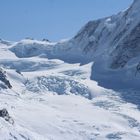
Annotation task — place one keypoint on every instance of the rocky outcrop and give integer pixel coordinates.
(4, 114)
(4, 79)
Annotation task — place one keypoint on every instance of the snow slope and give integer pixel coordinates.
(54, 95)
(55, 100)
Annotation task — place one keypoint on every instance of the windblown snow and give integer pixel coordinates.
(53, 94)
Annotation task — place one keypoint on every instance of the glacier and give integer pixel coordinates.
(84, 88)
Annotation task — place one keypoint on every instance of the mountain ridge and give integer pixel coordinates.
(112, 41)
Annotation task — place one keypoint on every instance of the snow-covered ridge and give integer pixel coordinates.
(5, 42)
(106, 36)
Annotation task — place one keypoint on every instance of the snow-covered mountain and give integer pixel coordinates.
(112, 43)
(58, 90)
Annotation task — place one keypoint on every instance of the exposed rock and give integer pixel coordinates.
(4, 114)
(3, 78)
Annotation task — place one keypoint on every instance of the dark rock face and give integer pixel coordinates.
(46, 40)
(89, 29)
(4, 114)
(89, 37)
(127, 49)
(3, 78)
(120, 34)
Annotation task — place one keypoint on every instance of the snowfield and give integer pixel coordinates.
(85, 88)
(54, 100)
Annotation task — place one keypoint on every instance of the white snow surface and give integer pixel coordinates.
(55, 100)
(54, 96)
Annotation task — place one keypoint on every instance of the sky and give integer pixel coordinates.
(52, 19)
